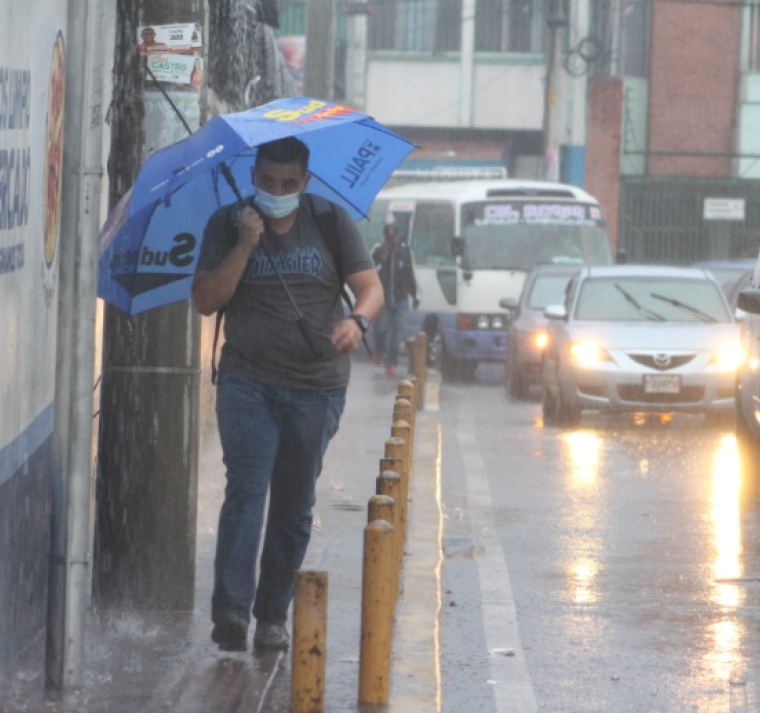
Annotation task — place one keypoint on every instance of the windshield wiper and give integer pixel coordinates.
(650, 314)
(677, 303)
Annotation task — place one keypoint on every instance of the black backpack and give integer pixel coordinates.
(327, 224)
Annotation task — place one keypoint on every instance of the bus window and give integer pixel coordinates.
(431, 234)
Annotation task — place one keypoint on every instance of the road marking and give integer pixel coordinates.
(513, 688)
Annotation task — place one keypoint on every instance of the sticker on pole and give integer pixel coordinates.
(177, 68)
(157, 39)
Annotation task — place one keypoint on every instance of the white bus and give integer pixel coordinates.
(473, 243)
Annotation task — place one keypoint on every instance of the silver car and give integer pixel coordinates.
(528, 333)
(640, 339)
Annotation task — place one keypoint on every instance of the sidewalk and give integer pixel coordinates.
(158, 661)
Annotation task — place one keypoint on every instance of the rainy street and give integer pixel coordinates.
(631, 561)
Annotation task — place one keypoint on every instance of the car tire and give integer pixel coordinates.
(549, 408)
(748, 446)
(568, 413)
(518, 387)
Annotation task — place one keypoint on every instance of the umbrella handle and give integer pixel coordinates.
(308, 334)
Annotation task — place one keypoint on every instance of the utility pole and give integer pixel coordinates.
(70, 509)
(148, 446)
(320, 49)
(467, 64)
(356, 52)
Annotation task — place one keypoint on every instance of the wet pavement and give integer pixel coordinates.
(610, 568)
(156, 661)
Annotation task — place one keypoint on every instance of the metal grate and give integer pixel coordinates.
(648, 360)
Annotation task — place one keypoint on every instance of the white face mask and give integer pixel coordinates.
(277, 206)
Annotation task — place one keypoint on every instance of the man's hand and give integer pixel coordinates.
(250, 228)
(347, 336)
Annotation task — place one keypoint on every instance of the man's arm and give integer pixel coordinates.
(213, 289)
(366, 287)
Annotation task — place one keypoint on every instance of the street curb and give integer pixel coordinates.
(415, 665)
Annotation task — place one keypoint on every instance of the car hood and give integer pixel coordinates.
(654, 335)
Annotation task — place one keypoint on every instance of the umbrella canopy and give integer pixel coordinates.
(150, 243)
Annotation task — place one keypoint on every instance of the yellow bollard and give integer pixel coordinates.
(407, 389)
(403, 411)
(380, 507)
(413, 351)
(402, 430)
(377, 620)
(398, 448)
(389, 483)
(309, 651)
(422, 346)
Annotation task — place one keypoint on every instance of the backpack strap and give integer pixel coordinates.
(327, 224)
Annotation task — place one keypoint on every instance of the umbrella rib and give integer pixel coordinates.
(325, 183)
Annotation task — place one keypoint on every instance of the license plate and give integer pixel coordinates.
(662, 384)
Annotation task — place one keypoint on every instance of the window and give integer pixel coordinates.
(753, 36)
(618, 42)
(431, 234)
(510, 25)
(421, 25)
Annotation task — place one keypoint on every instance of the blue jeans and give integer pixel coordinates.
(388, 331)
(274, 439)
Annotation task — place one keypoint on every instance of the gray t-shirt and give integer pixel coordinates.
(262, 338)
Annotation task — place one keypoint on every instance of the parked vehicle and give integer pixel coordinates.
(748, 379)
(528, 333)
(726, 272)
(735, 288)
(641, 339)
(473, 243)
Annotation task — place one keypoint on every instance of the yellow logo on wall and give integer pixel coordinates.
(54, 149)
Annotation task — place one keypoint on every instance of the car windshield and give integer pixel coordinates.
(627, 299)
(502, 235)
(547, 290)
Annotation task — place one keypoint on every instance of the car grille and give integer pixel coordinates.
(676, 360)
(688, 395)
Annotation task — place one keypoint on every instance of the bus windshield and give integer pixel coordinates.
(517, 235)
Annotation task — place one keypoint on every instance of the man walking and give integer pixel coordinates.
(278, 405)
(396, 271)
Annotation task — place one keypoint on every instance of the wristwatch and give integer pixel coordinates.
(361, 320)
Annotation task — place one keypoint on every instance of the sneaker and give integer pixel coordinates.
(271, 636)
(231, 634)
(390, 370)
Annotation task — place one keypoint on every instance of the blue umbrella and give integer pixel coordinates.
(150, 243)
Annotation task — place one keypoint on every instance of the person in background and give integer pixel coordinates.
(395, 268)
(278, 404)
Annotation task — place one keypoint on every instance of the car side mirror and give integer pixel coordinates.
(457, 246)
(509, 303)
(749, 301)
(555, 312)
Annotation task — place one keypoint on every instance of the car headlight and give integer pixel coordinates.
(588, 353)
(483, 322)
(729, 356)
(541, 339)
(497, 322)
